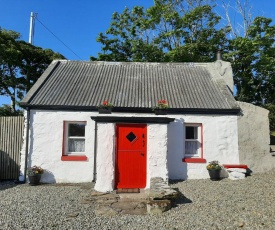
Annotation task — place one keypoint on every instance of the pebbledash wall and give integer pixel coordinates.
(165, 147)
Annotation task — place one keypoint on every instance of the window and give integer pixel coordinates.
(193, 144)
(74, 141)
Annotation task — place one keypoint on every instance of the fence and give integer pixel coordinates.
(11, 138)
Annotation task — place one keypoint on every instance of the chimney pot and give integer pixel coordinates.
(219, 55)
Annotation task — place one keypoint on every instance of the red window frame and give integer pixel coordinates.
(65, 156)
(200, 159)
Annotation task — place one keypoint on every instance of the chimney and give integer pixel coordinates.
(219, 55)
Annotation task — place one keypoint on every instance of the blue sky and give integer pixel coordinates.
(77, 23)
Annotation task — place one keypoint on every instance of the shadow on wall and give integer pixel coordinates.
(177, 170)
(48, 177)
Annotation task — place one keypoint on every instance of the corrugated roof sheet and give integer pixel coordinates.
(129, 85)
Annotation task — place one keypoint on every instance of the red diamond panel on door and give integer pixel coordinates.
(131, 155)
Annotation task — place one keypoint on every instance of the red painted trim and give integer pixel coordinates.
(202, 141)
(74, 158)
(64, 138)
(201, 159)
(194, 160)
(235, 166)
(65, 157)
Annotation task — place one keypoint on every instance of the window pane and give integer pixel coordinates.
(76, 130)
(191, 132)
(191, 147)
(76, 145)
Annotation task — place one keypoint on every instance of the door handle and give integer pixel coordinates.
(142, 154)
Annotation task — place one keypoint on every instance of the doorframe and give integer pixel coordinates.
(116, 148)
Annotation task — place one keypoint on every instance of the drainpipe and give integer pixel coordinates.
(95, 153)
(27, 145)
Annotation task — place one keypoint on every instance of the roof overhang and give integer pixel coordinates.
(136, 110)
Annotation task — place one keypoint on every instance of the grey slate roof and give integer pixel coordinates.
(78, 84)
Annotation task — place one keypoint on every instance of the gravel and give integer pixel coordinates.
(206, 204)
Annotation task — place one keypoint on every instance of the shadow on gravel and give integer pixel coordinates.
(175, 181)
(181, 199)
(7, 184)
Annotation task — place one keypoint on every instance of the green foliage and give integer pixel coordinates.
(162, 33)
(6, 110)
(271, 108)
(254, 63)
(21, 64)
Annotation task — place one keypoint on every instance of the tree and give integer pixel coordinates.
(253, 61)
(6, 110)
(21, 64)
(128, 38)
(9, 64)
(163, 32)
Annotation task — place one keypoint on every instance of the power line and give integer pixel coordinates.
(58, 38)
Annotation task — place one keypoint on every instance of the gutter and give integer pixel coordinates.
(27, 144)
(95, 153)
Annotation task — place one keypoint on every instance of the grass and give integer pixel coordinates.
(272, 133)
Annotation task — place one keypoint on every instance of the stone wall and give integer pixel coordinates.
(253, 129)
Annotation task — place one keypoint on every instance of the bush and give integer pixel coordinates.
(271, 108)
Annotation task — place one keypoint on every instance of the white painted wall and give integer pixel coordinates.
(105, 164)
(220, 142)
(157, 152)
(165, 148)
(23, 150)
(46, 139)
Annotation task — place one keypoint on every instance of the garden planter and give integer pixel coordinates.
(215, 174)
(105, 110)
(160, 111)
(35, 179)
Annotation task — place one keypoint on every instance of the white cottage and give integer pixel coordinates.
(67, 136)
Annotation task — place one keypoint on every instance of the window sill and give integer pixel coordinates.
(74, 158)
(194, 160)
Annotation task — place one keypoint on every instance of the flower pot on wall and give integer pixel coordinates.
(34, 179)
(105, 110)
(215, 174)
(160, 111)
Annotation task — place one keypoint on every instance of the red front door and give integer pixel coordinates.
(131, 155)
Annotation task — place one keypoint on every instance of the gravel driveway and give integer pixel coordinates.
(225, 204)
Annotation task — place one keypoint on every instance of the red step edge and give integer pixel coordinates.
(235, 166)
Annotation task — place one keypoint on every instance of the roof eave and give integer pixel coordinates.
(227, 111)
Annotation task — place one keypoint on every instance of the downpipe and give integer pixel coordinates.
(95, 153)
(27, 145)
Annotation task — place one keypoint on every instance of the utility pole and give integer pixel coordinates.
(32, 22)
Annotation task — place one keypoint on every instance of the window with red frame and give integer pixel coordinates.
(193, 141)
(74, 140)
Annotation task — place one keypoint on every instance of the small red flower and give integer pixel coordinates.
(105, 104)
(164, 102)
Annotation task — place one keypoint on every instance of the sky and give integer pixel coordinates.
(77, 23)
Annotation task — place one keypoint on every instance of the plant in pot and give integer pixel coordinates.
(214, 169)
(105, 107)
(34, 174)
(161, 108)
